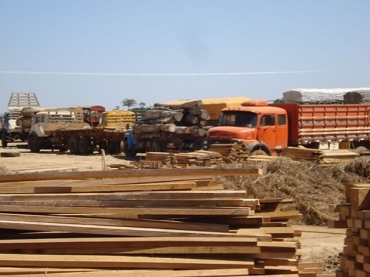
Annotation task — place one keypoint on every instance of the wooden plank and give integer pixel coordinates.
(282, 215)
(183, 172)
(133, 203)
(153, 212)
(101, 230)
(132, 242)
(106, 181)
(117, 262)
(360, 197)
(220, 252)
(145, 273)
(175, 225)
(27, 271)
(147, 195)
(112, 188)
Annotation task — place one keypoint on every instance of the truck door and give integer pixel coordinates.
(266, 131)
(38, 126)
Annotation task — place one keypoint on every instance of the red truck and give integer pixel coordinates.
(269, 128)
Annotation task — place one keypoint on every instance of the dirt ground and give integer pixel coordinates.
(318, 244)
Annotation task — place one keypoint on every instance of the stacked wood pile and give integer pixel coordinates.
(198, 158)
(172, 160)
(231, 152)
(355, 261)
(323, 157)
(174, 222)
(185, 118)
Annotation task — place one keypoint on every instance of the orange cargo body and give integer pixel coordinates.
(327, 122)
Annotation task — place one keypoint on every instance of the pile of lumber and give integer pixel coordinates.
(355, 214)
(322, 157)
(231, 152)
(163, 157)
(185, 118)
(168, 222)
(179, 160)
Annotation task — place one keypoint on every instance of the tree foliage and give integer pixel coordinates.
(128, 103)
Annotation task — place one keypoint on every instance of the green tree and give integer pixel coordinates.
(128, 103)
(142, 105)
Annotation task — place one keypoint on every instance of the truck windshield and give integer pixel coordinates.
(238, 118)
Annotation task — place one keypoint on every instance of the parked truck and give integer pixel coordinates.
(267, 129)
(12, 127)
(65, 129)
(168, 127)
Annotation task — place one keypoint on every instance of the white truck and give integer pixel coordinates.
(12, 128)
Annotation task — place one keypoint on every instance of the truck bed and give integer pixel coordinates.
(327, 122)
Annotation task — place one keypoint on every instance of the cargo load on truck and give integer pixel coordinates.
(214, 106)
(168, 127)
(119, 119)
(327, 96)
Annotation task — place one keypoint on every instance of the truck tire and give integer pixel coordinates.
(4, 139)
(84, 145)
(129, 152)
(114, 148)
(157, 146)
(259, 152)
(34, 143)
(73, 145)
(148, 146)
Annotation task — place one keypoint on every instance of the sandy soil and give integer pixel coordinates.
(318, 244)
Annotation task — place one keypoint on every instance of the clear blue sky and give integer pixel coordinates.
(328, 40)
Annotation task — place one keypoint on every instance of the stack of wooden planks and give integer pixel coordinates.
(162, 222)
(231, 152)
(322, 157)
(179, 160)
(355, 261)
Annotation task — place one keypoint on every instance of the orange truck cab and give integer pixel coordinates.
(262, 128)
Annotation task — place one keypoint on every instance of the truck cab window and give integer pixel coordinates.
(267, 120)
(236, 118)
(281, 119)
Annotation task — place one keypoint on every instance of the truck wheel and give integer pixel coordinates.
(148, 146)
(142, 146)
(129, 152)
(114, 148)
(34, 144)
(73, 145)
(84, 145)
(4, 139)
(156, 146)
(259, 153)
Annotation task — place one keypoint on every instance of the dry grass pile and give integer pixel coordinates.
(311, 187)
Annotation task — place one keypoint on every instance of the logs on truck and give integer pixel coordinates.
(168, 127)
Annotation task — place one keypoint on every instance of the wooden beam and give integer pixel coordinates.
(116, 262)
(137, 273)
(184, 172)
(153, 212)
(118, 222)
(101, 230)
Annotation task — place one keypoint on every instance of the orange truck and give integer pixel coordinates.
(267, 129)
